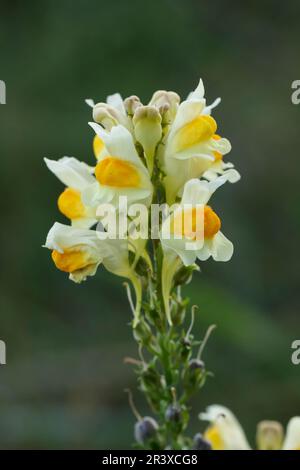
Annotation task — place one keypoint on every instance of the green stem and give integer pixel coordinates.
(165, 376)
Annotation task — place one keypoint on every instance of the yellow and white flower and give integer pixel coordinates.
(192, 230)
(76, 176)
(191, 144)
(119, 171)
(226, 433)
(79, 252)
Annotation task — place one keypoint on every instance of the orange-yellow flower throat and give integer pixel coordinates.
(196, 131)
(188, 223)
(71, 260)
(70, 204)
(114, 172)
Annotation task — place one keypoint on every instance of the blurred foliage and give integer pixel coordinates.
(63, 384)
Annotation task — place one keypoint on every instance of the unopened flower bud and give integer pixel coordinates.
(199, 443)
(145, 429)
(131, 104)
(150, 378)
(186, 342)
(185, 274)
(108, 116)
(178, 313)
(186, 346)
(142, 267)
(269, 435)
(148, 131)
(167, 103)
(142, 332)
(173, 413)
(196, 364)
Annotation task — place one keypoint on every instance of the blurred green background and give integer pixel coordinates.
(63, 383)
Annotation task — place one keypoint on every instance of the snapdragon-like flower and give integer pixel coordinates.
(193, 230)
(119, 171)
(76, 176)
(226, 433)
(192, 145)
(79, 252)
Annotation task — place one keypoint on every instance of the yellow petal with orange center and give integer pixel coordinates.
(70, 204)
(212, 434)
(71, 260)
(218, 156)
(117, 173)
(195, 132)
(98, 146)
(189, 223)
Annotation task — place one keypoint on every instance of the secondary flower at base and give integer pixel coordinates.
(79, 252)
(226, 433)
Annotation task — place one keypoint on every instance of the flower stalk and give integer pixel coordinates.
(170, 371)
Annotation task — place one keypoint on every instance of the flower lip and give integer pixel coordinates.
(112, 171)
(70, 204)
(71, 260)
(200, 129)
(195, 223)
